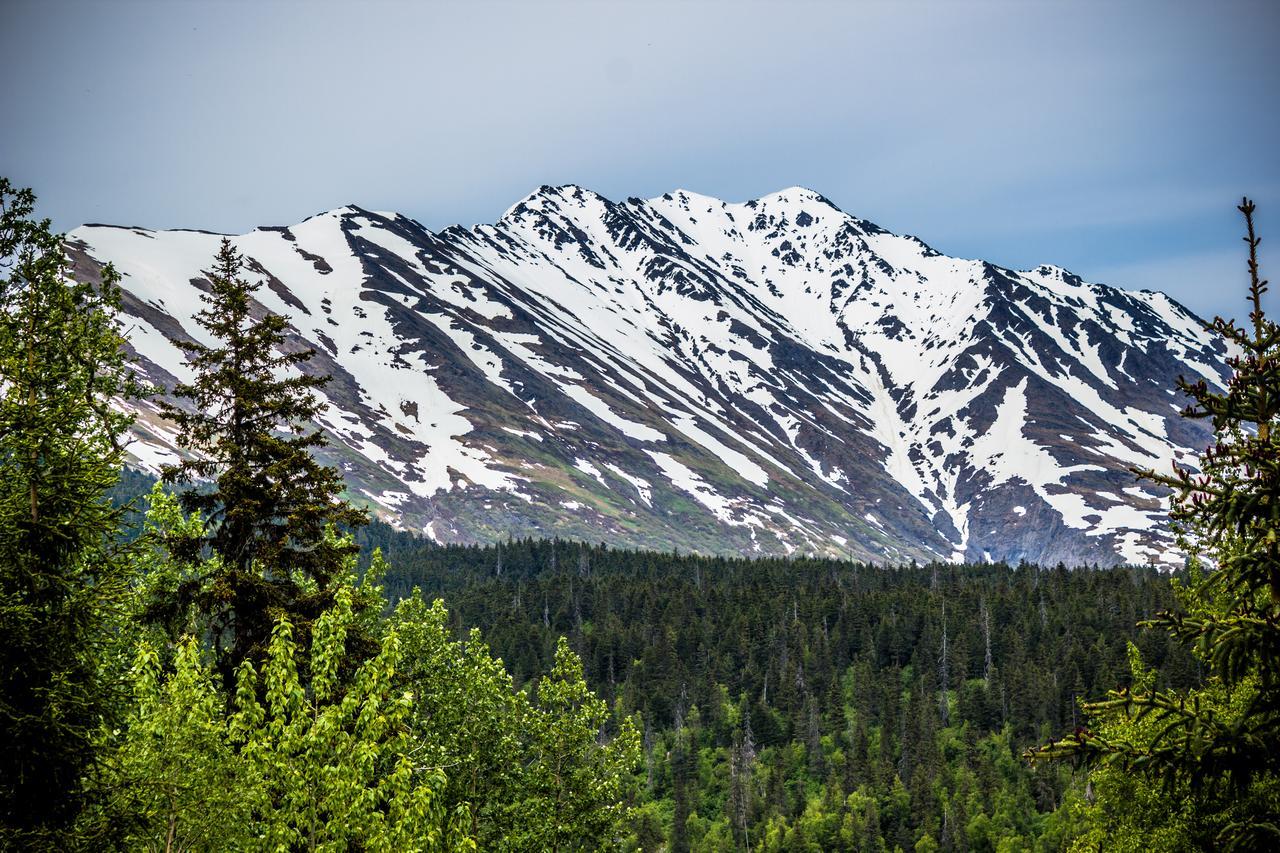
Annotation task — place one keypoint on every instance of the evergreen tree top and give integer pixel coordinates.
(270, 504)
(1225, 734)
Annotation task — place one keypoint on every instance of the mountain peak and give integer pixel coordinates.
(769, 376)
(1055, 272)
(795, 195)
(557, 195)
(336, 213)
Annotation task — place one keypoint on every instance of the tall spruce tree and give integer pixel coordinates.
(1217, 746)
(62, 577)
(269, 504)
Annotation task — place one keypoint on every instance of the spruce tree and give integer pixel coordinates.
(1217, 745)
(62, 576)
(268, 503)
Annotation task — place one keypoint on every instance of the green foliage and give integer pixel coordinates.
(324, 766)
(1199, 768)
(551, 771)
(423, 745)
(1137, 812)
(172, 772)
(574, 787)
(336, 764)
(466, 717)
(271, 504)
(61, 577)
(166, 564)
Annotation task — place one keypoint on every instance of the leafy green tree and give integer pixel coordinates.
(1215, 746)
(517, 769)
(530, 773)
(62, 578)
(575, 788)
(467, 716)
(172, 775)
(330, 765)
(268, 501)
(336, 764)
(165, 562)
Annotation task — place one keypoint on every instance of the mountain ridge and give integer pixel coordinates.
(770, 376)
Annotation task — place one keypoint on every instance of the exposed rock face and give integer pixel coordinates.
(769, 377)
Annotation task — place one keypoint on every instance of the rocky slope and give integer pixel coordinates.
(773, 376)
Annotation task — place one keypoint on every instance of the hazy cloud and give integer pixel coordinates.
(1108, 136)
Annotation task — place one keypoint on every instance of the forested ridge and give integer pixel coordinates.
(238, 658)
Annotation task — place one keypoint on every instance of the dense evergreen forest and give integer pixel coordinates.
(238, 658)
(812, 704)
(800, 702)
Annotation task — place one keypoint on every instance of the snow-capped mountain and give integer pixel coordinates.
(775, 376)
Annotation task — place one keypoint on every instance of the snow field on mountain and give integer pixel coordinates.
(783, 364)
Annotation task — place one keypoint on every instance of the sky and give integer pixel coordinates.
(1114, 138)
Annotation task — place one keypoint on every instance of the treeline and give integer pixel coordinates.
(747, 624)
(818, 704)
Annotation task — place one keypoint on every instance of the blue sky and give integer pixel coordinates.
(1111, 138)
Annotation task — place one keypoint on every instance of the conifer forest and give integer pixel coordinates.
(237, 656)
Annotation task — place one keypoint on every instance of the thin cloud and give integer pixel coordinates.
(1004, 130)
